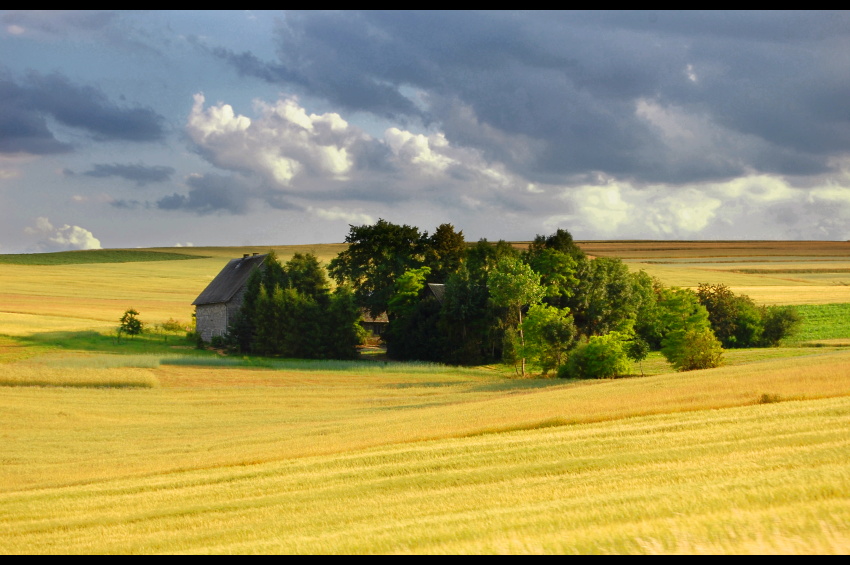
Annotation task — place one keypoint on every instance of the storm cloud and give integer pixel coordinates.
(639, 95)
(288, 126)
(27, 104)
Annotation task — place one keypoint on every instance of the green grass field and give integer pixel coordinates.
(148, 445)
(93, 256)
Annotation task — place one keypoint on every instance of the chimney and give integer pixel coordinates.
(255, 254)
(245, 256)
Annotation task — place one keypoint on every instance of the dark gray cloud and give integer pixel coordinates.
(88, 108)
(23, 128)
(210, 193)
(653, 96)
(128, 204)
(138, 173)
(26, 105)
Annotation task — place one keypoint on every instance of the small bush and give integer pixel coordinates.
(693, 349)
(600, 357)
(780, 322)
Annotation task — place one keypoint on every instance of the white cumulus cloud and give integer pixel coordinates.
(337, 213)
(425, 152)
(284, 141)
(64, 238)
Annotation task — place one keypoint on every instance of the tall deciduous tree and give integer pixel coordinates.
(305, 274)
(561, 241)
(376, 256)
(512, 286)
(689, 342)
(445, 253)
(549, 334)
(605, 298)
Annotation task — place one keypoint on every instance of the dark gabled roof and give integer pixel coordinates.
(228, 282)
(438, 290)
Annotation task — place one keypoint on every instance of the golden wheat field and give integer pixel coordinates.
(149, 446)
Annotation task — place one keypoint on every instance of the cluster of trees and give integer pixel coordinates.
(738, 322)
(549, 305)
(289, 310)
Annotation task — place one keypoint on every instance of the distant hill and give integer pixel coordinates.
(94, 256)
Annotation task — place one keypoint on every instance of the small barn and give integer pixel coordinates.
(222, 299)
(374, 325)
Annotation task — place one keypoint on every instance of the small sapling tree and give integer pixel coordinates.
(130, 323)
(637, 349)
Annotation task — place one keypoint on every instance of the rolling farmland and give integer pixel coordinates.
(150, 446)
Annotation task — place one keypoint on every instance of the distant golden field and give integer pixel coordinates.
(149, 446)
(770, 272)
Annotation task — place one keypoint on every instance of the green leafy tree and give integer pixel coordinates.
(780, 322)
(696, 349)
(298, 316)
(637, 350)
(305, 274)
(561, 241)
(376, 256)
(605, 298)
(414, 318)
(549, 334)
(600, 357)
(407, 291)
(483, 257)
(273, 273)
(646, 292)
(130, 323)
(557, 272)
(468, 321)
(689, 343)
(514, 285)
(342, 332)
(556, 258)
(735, 319)
(445, 253)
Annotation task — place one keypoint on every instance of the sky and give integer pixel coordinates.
(249, 128)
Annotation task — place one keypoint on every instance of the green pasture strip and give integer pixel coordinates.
(94, 256)
(148, 343)
(13, 349)
(824, 321)
(757, 479)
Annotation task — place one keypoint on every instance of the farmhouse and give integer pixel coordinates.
(221, 300)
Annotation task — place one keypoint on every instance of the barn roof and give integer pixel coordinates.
(228, 282)
(438, 290)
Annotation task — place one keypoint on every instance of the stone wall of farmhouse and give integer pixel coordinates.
(213, 319)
